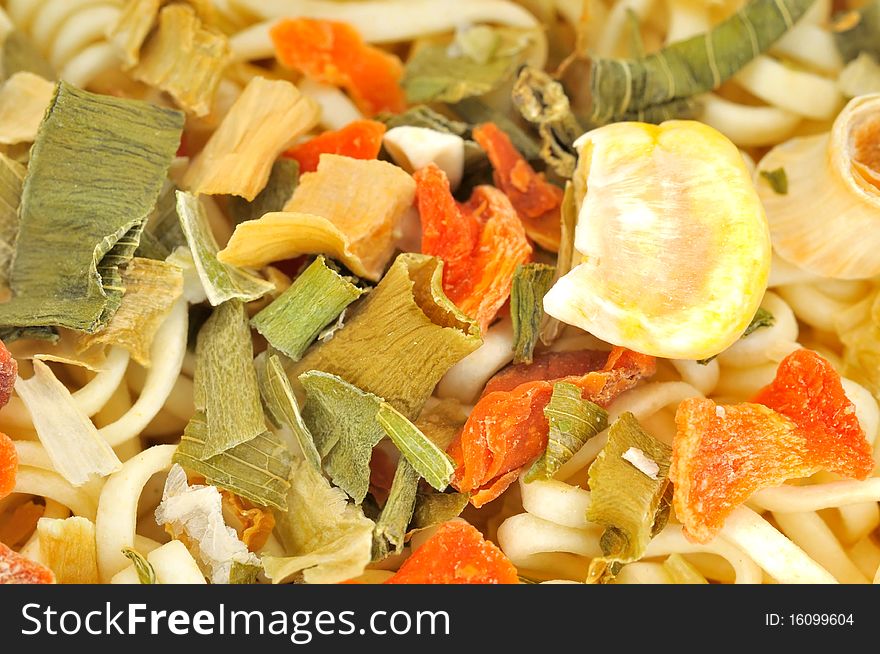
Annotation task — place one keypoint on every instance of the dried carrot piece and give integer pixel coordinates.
(546, 365)
(800, 424)
(8, 372)
(507, 428)
(8, 465)
(481, 242)
(723, 454)
(334, 53)
(456, 554)
(807, 389)
(537, 202)
(361, 139)
(16, 569)
(257, 522)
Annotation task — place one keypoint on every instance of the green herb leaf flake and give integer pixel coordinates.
(258, 469)
(626, 499)
(573, 421)
(222, 282)
(342, 419)
(279, 189)
(777, 179)
(283, 408)
(531, 282)
(144, 569)
(390, 530)
(95, 171)
(312, 302)
(445, 72)
(437, 508)
(400, 339)
(225, 381)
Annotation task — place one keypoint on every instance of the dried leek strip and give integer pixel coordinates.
(76, 226)
(426, 458)
(326, 539)
(282, 406)
(68, 548)
(24, 98)
(279, 189)
(266, 119)
(400, 339)
(11, 179)
(312, 302)
(573, 421)
(73, 444)
(184, 59)
(390, 530)
(349, 209)
(258, 469)
(151, 288)
(629, 500)
(657, 85)
(220, 281)
(226, 382)
(531, 282)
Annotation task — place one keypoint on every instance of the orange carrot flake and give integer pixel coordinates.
(807, 389)
(16, 569)
(8, 465)
(537, 202)
(800, 424)
(456, 554)
(507, 428)
(481, 242)
(334, 53)
(723, 454)
(8, 373)
(361, 139)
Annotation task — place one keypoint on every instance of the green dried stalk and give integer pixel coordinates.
(573, 421)
(531, 282)
(314, 300)
(225, 382)
(622, 88)
(221, 281)
(95, 171)
(401, 339)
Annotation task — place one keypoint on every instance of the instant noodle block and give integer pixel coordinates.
(672, 244)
